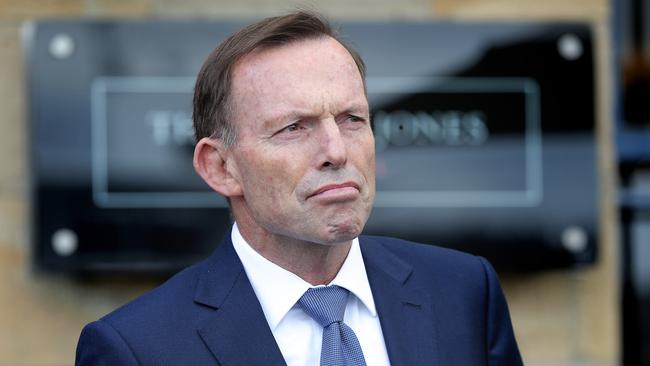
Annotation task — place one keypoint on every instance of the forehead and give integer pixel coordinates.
(320, 52)
(302, 74)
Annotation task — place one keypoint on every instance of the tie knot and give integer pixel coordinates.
(325, 305)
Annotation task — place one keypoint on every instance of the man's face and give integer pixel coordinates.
(304, 157)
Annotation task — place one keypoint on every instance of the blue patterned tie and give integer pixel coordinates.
(326, 305)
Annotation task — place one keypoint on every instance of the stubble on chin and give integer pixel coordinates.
(346, 226)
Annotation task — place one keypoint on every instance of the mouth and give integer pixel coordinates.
(337, 191)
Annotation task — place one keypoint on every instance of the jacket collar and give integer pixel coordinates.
(405, 313)
(238, 334)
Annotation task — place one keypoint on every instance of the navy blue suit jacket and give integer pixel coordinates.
(436, 307)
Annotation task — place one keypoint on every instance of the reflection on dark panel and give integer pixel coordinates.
(632, 46)
(484, 137)
(635, 60)
(632, 76)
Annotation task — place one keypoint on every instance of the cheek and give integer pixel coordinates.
(269, 181)
(367, 153)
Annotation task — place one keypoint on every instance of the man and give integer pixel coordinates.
(283, 129)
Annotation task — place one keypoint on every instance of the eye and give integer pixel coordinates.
(290, 130)
(292, 127)
(354, 120)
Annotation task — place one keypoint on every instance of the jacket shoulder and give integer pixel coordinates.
(426, 256)
(435, 270)
(155, 329)
(466, 297)
(167, 298)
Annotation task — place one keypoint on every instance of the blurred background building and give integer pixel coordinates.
(579, 292)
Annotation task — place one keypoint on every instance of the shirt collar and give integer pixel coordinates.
(352, 276)
(278, 290)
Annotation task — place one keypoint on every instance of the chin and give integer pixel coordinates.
(343, 232)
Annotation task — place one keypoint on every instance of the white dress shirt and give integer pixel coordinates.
(298, 336)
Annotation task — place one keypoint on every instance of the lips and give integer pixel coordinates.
(335, 187)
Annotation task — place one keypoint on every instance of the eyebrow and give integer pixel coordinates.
(296, 114)
(358, 108)
(283, 117)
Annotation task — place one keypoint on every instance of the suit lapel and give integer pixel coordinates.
(238, 333)
(406, 315)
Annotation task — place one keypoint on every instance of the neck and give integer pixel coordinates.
(315, 263)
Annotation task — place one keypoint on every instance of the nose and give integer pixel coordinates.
(333, 148)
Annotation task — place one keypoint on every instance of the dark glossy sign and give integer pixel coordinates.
(484, 138)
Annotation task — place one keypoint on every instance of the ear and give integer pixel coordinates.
(211, 163)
